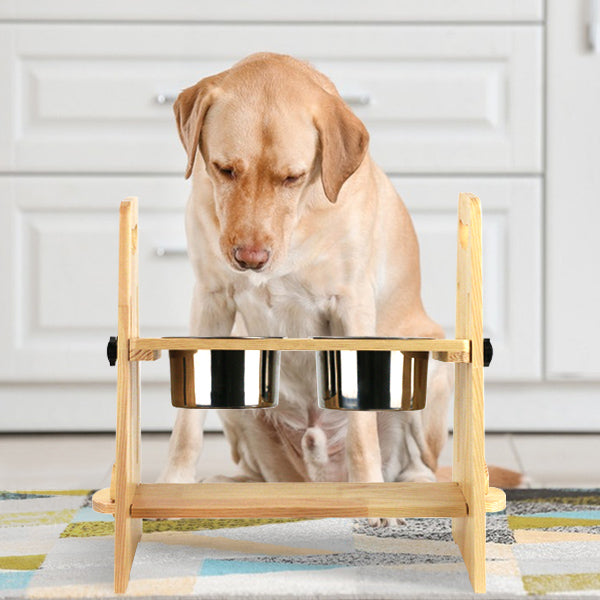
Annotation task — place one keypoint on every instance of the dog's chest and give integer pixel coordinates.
(282, 307)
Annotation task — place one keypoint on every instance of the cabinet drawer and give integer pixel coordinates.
(512, 286)
(59, 240)
(269, 10)
(59, 257)
(436, 99)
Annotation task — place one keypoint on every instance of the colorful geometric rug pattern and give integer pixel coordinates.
(53, 545)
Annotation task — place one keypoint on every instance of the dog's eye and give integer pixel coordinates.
(292, 179)
(226, 172)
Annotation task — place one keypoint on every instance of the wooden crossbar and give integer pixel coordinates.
(309, 344)
(456, 351)
(299, 499)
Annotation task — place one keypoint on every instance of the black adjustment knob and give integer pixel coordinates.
(488, 352)
(111, 351)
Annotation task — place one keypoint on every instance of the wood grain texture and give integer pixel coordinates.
(127, 466)
(103, 501)
(299, 499)
(459, 349)
(453, 357)
(495, 499)
(469, 460)
(144, 355)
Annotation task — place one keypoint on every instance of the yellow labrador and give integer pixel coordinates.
(292, 227)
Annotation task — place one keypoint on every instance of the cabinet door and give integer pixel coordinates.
(441, 99)
(59, 261)
(512, 288)
(573, 196)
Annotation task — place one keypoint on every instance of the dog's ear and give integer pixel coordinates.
(190, 109)
(344, 141)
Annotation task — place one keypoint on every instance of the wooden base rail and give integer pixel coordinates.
(309, 500)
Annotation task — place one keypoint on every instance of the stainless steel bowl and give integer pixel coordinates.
(372, 380)
(224, 378)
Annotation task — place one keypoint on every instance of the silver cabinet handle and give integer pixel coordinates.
(166, 98)
(594, 26)
(358, 99)
(165, 251)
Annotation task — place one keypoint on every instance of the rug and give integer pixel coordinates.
(53, 545)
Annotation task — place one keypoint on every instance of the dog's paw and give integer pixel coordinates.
(385, 522)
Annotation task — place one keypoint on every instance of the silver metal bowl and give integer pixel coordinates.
(372, 380)
(224, 378)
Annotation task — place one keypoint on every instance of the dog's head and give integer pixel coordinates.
(272, 132)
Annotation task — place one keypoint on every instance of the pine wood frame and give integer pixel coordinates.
(466, 499)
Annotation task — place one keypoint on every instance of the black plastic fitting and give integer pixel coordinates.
(488, 352)
(111, 351)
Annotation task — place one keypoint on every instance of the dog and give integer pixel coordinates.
(293, 230)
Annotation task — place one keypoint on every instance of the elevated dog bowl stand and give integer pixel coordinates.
(466, 499)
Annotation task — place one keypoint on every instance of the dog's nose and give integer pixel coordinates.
(251, 257)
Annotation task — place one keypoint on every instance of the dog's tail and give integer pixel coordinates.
(315, 453)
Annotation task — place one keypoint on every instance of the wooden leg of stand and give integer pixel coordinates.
(469, 457)
(127, 466)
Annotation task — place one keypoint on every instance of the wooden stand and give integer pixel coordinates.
(466, 499)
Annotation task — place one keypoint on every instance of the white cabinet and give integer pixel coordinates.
(59, 240)
(512, 285)
(84, 99)
(573, 197)
(451, 92)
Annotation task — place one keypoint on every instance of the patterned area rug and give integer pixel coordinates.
(53, 545)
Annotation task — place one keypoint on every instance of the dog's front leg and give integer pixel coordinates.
(213, 314)
(363, 455)
(355, 317)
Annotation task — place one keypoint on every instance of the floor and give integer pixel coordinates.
(83, 461)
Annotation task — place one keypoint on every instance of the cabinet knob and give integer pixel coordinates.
(166, 98)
